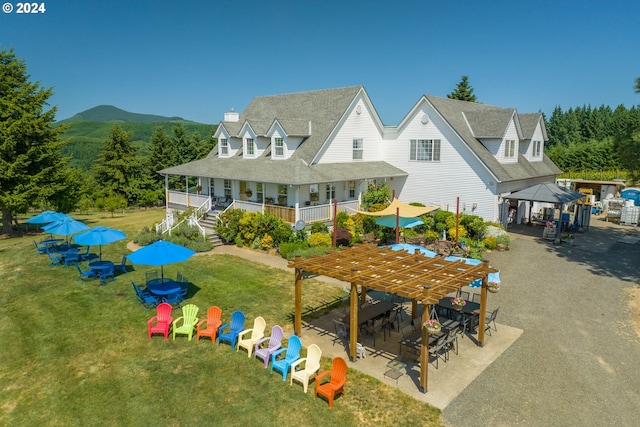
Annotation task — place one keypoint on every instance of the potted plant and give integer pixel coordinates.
(432, 325)
(280, 199)
(199, 189)
(493, 287)
(458, 303)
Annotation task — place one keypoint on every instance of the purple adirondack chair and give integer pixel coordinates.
(273, 343)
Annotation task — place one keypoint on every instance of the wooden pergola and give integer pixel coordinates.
(412, 276)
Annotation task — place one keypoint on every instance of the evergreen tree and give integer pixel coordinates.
(463, 91)
(162, 154)
(31, 165)
(117, 170)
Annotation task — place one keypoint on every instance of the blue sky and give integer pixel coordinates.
(197, 59)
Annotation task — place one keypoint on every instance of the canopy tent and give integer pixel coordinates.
(547, 193)
(406, 210)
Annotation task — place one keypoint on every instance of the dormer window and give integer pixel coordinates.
(250, 147)
(537, 148)
(224, 147)
(510, 148)
(278, 147)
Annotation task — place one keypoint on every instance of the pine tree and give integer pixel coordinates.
(31, 165)
(117, 170)
(463, 91)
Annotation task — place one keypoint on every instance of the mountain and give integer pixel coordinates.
(111, 114)
(86, 131)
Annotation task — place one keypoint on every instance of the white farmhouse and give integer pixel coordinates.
(293, 154)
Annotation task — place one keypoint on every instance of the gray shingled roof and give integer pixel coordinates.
(528, 123)
(490, 123)
(452, 111)
(294, 172)
(323, 108)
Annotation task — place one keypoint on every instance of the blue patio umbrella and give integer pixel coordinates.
(65, 227)
(160, 253)
(46, 217)
(99, 236)
(411, 249)
(390, 221)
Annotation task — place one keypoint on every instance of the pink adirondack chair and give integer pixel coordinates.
(160, 323)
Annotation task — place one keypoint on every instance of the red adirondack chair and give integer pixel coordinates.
(160, 323)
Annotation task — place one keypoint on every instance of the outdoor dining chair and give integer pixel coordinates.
(248, 338)
(71, 258)
(84, 256)
(341, 330)
(265, 347)
(41, 249)
(438, 350)
(464, 295)
(85, 275)
(305, 369)
(337, 379)
(491, 319)
(476, 298)
(144, 297)
(150, 275)
(122, 266)
(54, 259)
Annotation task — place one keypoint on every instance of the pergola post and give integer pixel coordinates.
(353, 322)
(297, 321)
(424, 346)
(483, 307)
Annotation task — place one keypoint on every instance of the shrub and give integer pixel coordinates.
(319, 227)
(490, 242)
(503, 239)
(293, 249)
(267, 242)
(145, 237)
(229, 223)
(451, 233)
(320, 239)
(431, 235)
(343, 237)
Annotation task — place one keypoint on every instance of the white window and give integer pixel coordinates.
(250, 149)
(224, 147)
(425, 150)
(510, 148)
(227, 188)
(537, 145)
(278, 145)
(358, 147)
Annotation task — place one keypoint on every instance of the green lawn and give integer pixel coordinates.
(77, 353)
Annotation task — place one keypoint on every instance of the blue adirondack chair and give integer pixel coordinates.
(232, 329)
(291, 354)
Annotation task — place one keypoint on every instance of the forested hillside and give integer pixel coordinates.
(86, 137)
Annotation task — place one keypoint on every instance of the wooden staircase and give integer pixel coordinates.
(208, 222)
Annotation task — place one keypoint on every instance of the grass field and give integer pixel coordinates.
(77, 353)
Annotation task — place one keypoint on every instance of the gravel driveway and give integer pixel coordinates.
(576, 364)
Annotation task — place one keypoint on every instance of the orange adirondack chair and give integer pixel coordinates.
(160, 323)
(338, 377)
(209, 327)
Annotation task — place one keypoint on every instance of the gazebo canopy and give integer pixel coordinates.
(549, 193)
(395, 272)
(406, 210)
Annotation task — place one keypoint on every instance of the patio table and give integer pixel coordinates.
(470, 309)
(50, 242)
(371, 311)
(103, 270)
(163, 287)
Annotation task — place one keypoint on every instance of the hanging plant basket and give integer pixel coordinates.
(433, 325)
(493, 287)
(458, 303)
(248, 193)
